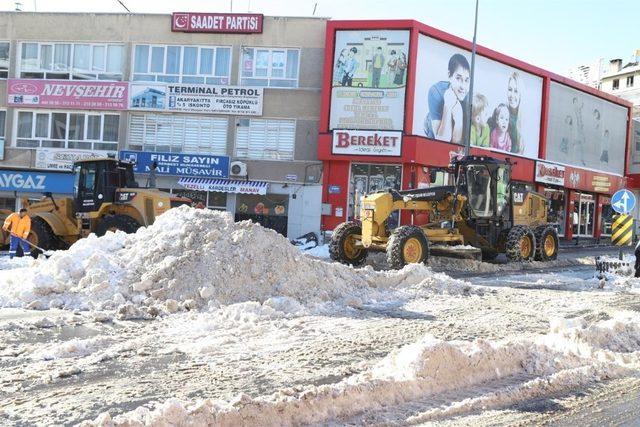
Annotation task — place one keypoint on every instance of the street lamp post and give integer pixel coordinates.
(467, 137)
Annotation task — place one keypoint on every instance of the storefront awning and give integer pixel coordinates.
(224, 185)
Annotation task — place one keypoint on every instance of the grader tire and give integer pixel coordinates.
(117, 222)
(521, 244)
(489, 254)
(342, 247)
(407, 245)
(546, 243)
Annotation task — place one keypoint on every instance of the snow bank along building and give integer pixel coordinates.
(226, 104)
(393, 112)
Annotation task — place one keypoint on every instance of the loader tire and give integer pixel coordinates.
(343, 244)
(489, 254)
(521, 244)
(41, 235)
(546, 243)
(117, 222)
(407, 245)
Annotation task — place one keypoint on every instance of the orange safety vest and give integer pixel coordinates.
(18, 226)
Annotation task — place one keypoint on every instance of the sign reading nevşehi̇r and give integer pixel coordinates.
(367, 142)
(200, 165)
(67, 94)
(244, 23)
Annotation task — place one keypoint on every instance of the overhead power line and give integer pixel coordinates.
(123, 5)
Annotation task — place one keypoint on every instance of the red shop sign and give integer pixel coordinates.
(244, 23)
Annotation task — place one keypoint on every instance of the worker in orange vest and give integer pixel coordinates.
(19, 225)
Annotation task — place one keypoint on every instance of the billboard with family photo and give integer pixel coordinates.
(506, 107)
(585, 131)
(369, 79)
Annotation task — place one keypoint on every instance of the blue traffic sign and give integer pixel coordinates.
(623, 201)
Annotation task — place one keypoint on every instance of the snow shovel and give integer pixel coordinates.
(44, 252)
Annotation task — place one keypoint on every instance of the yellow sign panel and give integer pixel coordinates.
(622, 230)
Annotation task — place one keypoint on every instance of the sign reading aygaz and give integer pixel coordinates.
(188, 22)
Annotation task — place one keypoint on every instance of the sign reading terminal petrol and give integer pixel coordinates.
(243, 23)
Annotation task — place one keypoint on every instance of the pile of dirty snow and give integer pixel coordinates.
(189, 258)
(571, 355)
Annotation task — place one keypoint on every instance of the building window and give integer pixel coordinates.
(269, 67)
(71, 61)
(178, 133)
(630, 81)
(3, 117)
(57, 129)
(182, 64)
(615, 84)
(4, 60)
(272, 139)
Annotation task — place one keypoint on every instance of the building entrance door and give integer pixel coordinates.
(583, 215)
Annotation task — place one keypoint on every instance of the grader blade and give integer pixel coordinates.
(458, 252)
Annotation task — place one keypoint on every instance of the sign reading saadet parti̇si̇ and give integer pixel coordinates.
(367, 143)
(192, 22)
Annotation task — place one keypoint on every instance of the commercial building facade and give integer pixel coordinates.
(394, 111)
(229, 113)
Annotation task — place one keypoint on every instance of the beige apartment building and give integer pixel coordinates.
(244, 101)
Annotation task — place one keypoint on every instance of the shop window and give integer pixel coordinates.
(178, 133)
(182, 64)
(606, 219)
(79, 130)
(265, 139)
(217, 201)
(75, 61)
(269, 67)
(4, 60)
(557, 209)
(583, 215)
(369, 178)
(270, 211)
(3, 117)
(7, 203)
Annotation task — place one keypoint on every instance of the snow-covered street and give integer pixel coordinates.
(199, 320)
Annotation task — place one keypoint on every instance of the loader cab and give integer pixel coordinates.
(96, 182)
(486, 183)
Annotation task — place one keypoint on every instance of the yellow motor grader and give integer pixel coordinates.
(105, 198)
(481, 209)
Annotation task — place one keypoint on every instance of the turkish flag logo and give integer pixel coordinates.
(180, 21)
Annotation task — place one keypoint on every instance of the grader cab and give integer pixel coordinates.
(482, 209)
(105, 198)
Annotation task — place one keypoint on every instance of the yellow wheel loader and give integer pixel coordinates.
(105, 198)
(481, 209)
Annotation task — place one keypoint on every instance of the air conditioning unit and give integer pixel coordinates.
(238, 169)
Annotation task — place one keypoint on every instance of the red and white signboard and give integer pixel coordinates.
(89, 95)
(244, 23)
(550, 173)
(367, 143)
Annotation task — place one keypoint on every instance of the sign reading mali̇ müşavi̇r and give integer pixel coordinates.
(200, 165)
(367, 143)
(189, 22)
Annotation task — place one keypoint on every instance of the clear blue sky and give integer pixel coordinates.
(551, 34)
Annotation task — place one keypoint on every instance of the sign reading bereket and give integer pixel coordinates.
(550, 173)
(367, 143)
(244, 23)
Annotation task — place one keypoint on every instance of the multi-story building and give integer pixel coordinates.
(227, 105)
(623, 80)
(589, 75)
(395, 109)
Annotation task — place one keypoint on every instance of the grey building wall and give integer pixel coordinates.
(301, 103)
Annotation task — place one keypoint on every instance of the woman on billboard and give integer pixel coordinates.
(514, 94)
(447, 100)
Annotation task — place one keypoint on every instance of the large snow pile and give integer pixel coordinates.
(189, 258)
(571, 355)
